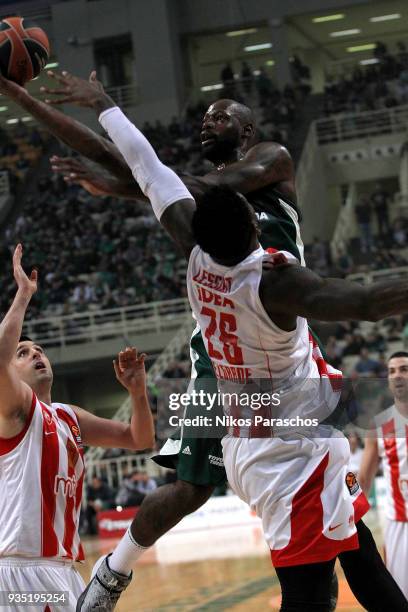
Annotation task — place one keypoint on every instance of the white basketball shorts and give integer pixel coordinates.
(396, 552)
(302, 490)
(24, 576)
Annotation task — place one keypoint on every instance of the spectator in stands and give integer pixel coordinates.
(99, 497)
(375, 341)
(380, 199)
(299, 70)
(354, 343)
(382, 371)
(247, 78)
(366, 366)
(345, 328)
(228, 80)
(128, 494)
(344, 263)
(333, 351)
(319, 257)
(134, 489)
(399, 233)
(146, 484)
(404, 336)
(264, 86)
(401, 89)
(380, 50)
(363, 214)
(402, 54)
(394, 327)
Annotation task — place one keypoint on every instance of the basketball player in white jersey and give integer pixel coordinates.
(42, 466)
(390, 443)
(254, 324)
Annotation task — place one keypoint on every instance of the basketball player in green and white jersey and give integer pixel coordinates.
(264, 172)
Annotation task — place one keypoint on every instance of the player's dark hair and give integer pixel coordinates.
(398, 354)
(223, 225)
(25, 339)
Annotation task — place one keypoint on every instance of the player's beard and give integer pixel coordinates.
(220, 151)
(401, 394)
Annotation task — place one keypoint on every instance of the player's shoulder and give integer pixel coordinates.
(61, 410)
(268, 148)
(385, 416)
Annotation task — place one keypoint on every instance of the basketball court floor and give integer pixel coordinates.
(224, 568)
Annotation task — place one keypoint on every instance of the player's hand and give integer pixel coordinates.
(130, 370)
(27, 286)
(10, 89)
(75, 172)
(74, 90)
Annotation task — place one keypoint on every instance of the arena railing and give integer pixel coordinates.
(124, 95)
(379, 275)
(95, 325)
(114, 469)
(349, 126)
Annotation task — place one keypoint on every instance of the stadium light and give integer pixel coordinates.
(385, 17)
(51, 65)
(212, 87)
(324, 18)
(26, 118)
(258, 47)
(241, 32)
(367, 47)
(270, 62)
(3, 108)
(367, 62)
(345, 32)
(11, 121)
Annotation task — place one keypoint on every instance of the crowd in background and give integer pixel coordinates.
(90, 253)
(20, 149)
(379, 85)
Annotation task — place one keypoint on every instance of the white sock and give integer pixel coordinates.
(126, 553)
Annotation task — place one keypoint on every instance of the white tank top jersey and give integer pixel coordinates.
(245, 345)
(392, 436)
(41, 478)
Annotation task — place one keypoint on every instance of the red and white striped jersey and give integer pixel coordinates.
(243, 343)
(392, 434)
(41, 478)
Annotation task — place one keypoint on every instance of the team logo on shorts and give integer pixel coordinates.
(76, 433)
(351, 482)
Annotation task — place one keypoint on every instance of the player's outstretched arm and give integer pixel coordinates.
(158, 183)
(290, 290)
(139, 433)
(369, 465)
(171, 201)
(15, 396)
(264, 164)
(74, 134)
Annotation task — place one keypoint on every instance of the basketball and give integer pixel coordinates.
(24, 49)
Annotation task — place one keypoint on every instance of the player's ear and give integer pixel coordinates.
(248, 130)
